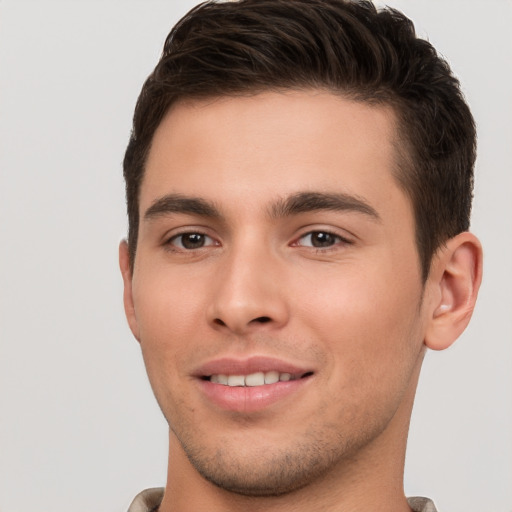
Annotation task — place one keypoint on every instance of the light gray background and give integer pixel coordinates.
(79, 428)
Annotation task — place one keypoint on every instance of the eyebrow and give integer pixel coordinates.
(301, 202)
(304, 202)
(178, 203)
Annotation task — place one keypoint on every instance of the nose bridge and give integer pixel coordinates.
(247, 287)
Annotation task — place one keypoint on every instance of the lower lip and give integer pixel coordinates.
(250, 399)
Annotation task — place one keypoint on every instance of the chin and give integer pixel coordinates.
(267, 471)
(276, 478)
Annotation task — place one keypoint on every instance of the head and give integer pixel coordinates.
(298, 180)
(348, 48)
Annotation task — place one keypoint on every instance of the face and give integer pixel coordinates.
(276, 291)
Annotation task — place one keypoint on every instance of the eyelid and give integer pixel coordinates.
(177, 237)
(170, 237)
(341, 239)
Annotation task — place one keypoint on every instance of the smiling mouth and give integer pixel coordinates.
(254, 379)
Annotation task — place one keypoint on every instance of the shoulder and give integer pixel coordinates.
(147, 500)
(421, 504)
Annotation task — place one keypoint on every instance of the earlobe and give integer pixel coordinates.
(454, 282)
(126, 272)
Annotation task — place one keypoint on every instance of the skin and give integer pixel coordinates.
(354, 311)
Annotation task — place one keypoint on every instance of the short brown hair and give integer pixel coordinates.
(347, 47)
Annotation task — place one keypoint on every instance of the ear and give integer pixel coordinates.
(453, 282)
(126, 272)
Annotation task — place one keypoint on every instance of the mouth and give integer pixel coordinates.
(254, 379)
(252, 385)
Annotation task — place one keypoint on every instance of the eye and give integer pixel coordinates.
(190, 241)
(320, 240)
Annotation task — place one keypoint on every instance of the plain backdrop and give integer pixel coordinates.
(79, 427)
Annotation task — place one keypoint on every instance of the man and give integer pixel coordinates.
(299, 183)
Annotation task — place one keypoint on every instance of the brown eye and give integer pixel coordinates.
(190, 241)
(320, 239)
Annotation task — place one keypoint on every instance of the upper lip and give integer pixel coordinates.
(235, 366)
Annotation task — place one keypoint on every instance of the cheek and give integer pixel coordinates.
(167, 316)
(371, 336)
(165, 305)
(368, 319)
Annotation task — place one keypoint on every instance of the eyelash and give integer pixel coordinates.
(170, 242)
(337, 241)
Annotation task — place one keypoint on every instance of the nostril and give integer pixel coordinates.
(262, 319)
(259, 320)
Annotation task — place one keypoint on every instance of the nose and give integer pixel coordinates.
(248, 294)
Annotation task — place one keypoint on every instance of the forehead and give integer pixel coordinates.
(271, 144)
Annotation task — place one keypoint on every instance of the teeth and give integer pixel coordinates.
(253, 379)
(236, 380)
(271, 377)
(219, 379)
